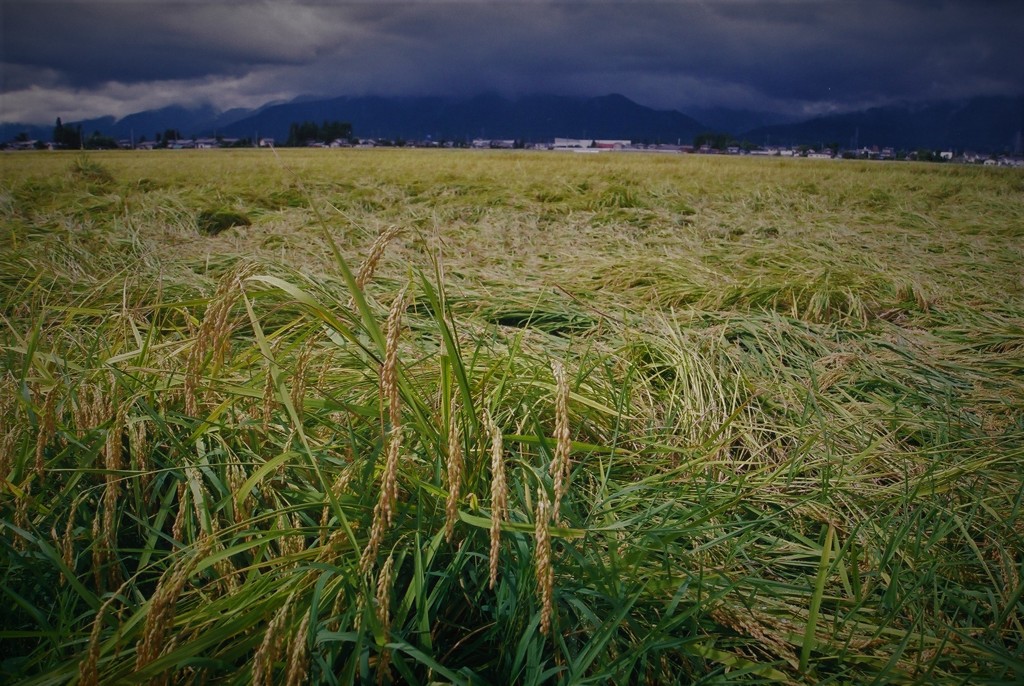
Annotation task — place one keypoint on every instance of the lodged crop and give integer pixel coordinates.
(460, 417)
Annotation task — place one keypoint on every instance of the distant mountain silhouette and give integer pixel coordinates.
(188, 121)
(533, 118)
(990, 124)
(984, 124)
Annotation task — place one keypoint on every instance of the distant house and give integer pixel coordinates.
(266, 142)
(612, 144)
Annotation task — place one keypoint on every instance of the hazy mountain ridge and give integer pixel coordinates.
(983, 123)
(530, 118)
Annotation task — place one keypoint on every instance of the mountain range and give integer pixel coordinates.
(984, 124)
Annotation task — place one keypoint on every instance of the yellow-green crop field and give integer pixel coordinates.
(452, 417)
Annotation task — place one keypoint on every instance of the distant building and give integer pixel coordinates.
(571, 143)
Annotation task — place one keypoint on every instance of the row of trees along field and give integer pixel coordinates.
(71, 137)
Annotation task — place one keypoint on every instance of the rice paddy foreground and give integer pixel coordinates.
(472, 417)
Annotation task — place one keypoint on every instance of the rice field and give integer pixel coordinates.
(459, 417)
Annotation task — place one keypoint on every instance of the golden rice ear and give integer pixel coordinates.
(214, 334)
(389, 370)
(454, 469)
(560, 462)
(383, 511)
(299, 377)
(298, 656)
(271, 646)
(88, 668)
(160, 618)
(499, 496)
(369, 265)
(542, 561)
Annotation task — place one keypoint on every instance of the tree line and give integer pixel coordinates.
(308, 132)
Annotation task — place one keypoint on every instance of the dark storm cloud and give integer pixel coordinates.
(797, 55)
(90, 43)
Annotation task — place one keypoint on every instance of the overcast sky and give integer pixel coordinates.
(85, 58)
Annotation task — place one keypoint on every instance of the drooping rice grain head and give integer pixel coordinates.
(454, 471)
(7, 442)
(163, 607)
(383, 511)
(542, 562)
(108, 531)
(384, 581)
(10, 424)
(292, 544)
(137, 447)
(113, 457)
(299, 376)
(178, 528)
(560, 463)
(389, 485)
(214, 334)
(330, 548)
(369, 265)
(271, 646)
(225, 569)
(298, 656)
(389, 370)
(236, 477)
(767, 630)
(8, 402)
(67, 541)
(499, 497)
(100, 552)
(88, 668)
(82, 412)
(383, 610)
(193, 475)
(47, 430)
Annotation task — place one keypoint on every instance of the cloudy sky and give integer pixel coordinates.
(84, 58)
